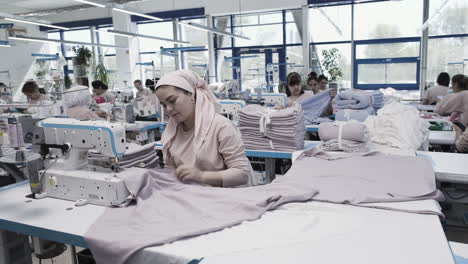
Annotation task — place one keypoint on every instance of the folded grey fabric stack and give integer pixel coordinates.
(135, 156)
(358, 106)
(268, 129)
(139, 156)
(343, 136)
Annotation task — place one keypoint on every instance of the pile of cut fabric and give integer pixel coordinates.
(360, 178)
(166, 210)
(268, 129)
(398, 125)
(314, 107)
(343, 136)
(358, 106)
(135, 156)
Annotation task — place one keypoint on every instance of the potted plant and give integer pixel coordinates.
(101, 73)
(81, 61)
(331, 64)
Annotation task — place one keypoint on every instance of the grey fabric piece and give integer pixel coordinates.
(315, 106)
(167, 210)
(351, 131)
(366, 178)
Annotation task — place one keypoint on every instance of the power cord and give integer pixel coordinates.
(455, 198)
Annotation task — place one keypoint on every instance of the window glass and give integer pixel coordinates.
(388, 19)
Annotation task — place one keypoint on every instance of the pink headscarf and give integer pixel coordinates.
(206, 106)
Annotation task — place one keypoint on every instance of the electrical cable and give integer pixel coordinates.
(455, 198)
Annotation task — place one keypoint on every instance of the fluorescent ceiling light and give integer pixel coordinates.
(34, 23)
(46, 40)
(130, 34)
(130, 12)
(90, 3)
(215, 31)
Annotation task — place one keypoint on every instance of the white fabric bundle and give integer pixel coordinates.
(398, 125)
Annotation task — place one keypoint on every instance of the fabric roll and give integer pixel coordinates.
(352, 131)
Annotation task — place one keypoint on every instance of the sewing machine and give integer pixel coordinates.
(272, 99)
(230, 108)
(73, 174)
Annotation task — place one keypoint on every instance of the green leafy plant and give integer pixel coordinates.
(102, 74)
(83, 55)
(331, 63)
(68, 82)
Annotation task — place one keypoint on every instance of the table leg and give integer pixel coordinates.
(269, 170)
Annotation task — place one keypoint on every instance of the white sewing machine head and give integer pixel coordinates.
(102, 136)
(74, 175)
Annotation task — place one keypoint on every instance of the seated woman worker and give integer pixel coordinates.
(203, 146)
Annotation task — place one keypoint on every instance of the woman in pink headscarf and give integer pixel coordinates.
(201, 144)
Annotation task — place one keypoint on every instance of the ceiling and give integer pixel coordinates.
(26, 6)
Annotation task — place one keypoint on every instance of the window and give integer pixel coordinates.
(387, 73)
(344, 62)
(253, 71)
(197, 61)
(388, 19)
(262, 29)
(453, 18)
(330, 23)
(292, 30)
(54, 47)
(387, 50)
(108, 39)
(260, 35)
(159, 29)
(196, 37)
(258, 19)
(150, 72)
(224, 68)
(223, 24)
(82, 35)
(453, 62)
(295, 55)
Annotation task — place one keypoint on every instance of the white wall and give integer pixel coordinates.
(18, 59)
(212, 7)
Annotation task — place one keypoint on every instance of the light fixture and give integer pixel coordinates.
(215, 31)
(46, 40)
(130, 34)
(130, 12)
(35, 23)
(90, 3)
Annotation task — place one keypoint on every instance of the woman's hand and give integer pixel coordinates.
(101, 114)
(187, 173)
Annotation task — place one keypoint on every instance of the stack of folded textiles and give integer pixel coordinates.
(268, 129)
(358, 106)
(344, 136)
